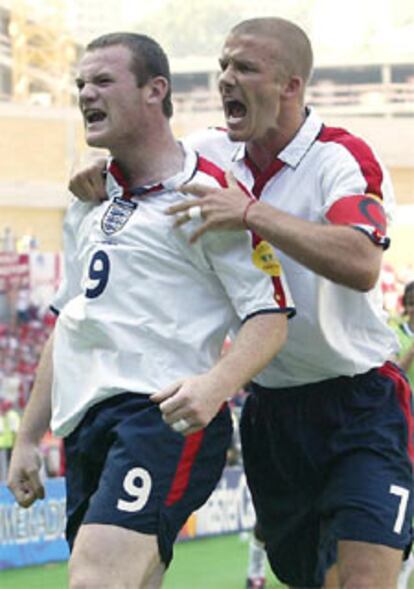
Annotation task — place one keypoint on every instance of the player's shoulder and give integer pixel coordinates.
(205, 136)
(209, 172)
(212, 143)
(77, 211)
(338, 139)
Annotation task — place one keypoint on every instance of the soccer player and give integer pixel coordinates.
(327, 435)
(142, 312)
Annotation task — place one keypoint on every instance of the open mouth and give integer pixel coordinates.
(94, 115)
(234, 110)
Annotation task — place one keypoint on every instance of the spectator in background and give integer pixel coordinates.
(9, 425)
(404, 328)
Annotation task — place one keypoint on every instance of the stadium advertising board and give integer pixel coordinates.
(228, 510)
(35, 535)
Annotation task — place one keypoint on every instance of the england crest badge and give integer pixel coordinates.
(117, 215)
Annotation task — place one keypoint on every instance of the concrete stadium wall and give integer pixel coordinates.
(43, 223)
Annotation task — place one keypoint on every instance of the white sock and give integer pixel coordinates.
(257, 559)
(406, 572)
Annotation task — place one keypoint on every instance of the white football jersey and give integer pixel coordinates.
(140, 307)
(325, 175)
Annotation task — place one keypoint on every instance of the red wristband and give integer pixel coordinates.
(246, 210)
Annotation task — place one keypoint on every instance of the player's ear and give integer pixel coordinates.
(157, 89)
(293, 87)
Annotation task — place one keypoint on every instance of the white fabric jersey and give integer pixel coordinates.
(139, 306)
(324, 175)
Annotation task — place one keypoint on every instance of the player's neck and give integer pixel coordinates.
(264, 150)
(151, 162)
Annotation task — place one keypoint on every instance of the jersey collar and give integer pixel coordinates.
(116, 185)
(296, 150)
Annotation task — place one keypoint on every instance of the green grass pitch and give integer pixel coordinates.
(213, 563)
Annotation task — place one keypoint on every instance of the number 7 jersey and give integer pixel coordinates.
(140, 307)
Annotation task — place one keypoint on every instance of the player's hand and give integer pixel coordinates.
(221, 208)
(24, 474)
(196, 400)
(88, 183)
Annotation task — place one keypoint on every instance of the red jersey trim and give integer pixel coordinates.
(261, 178)
(211, 169)
(370, 168)
(117, 173)
(403, 392)
(189, 453)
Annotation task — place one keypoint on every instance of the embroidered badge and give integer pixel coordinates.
(117, 215)
(265, 259)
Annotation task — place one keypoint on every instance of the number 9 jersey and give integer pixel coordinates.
(140, 307)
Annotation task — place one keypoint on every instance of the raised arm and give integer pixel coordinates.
(338, 252)
(198, 399)
(24, 472)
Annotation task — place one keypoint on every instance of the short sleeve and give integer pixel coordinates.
(250, 273)
(70, 285)
(357, 189)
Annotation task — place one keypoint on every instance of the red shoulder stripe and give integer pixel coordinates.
(210, 168)
(370, 168)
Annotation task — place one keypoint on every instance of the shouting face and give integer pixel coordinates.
(251, 84)
(111, 103)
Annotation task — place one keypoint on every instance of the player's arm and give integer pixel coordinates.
(198, 399)
(336, 251)
(24, 471)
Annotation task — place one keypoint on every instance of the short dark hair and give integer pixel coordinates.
(148, 59)
(409, 288)
(294, 45)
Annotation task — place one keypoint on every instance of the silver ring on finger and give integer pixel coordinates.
(180, 425)
(195, 212)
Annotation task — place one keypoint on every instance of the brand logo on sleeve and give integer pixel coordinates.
(117, 215)
(266, 260)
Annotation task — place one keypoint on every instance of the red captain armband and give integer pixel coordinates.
(364, 212)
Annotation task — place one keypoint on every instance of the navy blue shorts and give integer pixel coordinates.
(126, 467)
(326, 462)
